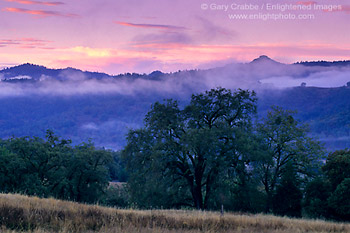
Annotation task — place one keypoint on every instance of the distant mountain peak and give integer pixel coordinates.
(25, 65)
(264, 59)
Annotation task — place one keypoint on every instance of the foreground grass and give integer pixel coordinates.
(32, 214)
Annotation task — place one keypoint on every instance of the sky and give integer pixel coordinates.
(118, 36)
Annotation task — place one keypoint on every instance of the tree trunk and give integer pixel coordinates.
(268, 203)
(198, 197)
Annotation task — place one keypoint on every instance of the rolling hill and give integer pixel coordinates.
(83, 105)
(32, 214)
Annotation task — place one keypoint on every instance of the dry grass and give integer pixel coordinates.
(31, 214)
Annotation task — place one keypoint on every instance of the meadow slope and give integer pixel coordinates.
(33, 214)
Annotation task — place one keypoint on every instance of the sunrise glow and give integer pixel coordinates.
(133, 36)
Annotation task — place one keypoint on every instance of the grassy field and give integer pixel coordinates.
(32, 214)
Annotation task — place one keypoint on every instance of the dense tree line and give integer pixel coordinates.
(215, 152)
(52, 167)
(328, 196)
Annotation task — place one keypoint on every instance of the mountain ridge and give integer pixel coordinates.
(36, 71)
(81, 106)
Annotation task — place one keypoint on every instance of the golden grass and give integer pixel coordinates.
(32, 214)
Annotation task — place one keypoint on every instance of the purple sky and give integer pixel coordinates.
(140, 36)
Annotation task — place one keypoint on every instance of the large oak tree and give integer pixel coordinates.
(180, 153)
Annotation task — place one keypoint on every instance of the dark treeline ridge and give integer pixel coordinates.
(210, 153)
(324, 63)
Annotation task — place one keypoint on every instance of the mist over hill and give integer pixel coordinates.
(81, 105)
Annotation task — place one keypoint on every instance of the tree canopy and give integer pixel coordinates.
(193, 146)
(284, 141)
(210, 151)
(53, 167)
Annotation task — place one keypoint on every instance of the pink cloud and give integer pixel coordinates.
(38, 12)
(34, 40)
(340, 8)
(167, 57)
(196, 54)
(8, 42)
(48, 48)
(27, 47)
(155, 45)
(28, 2)
(306, 3)
(155, 26)
(25, 43)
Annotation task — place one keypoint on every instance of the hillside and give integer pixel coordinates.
(22, 213)
(325, 110)
(83, 105)
(36, 72)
